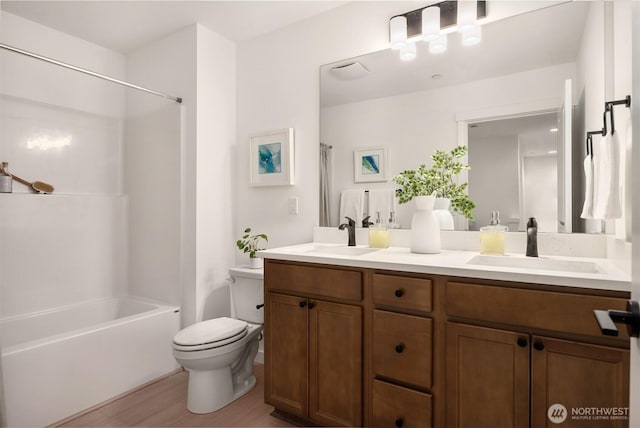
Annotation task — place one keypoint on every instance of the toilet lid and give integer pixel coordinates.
(215, 332)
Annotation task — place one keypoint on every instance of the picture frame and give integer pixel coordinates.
(370, 164)
(271, 158)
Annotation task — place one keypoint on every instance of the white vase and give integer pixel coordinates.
(256, 262)
(445, 218)
(425, 227)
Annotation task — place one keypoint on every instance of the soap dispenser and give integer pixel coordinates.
(378, 234)
(492, 236)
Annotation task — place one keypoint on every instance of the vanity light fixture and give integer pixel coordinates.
(432, 24)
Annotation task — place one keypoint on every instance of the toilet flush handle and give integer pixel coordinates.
(261, 305)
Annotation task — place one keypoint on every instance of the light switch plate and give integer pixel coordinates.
(293, 205)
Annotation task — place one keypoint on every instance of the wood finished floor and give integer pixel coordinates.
(164, 404)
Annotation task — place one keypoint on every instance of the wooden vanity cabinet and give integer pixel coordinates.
(502, 372)
(313, 345)
(402, 351)
(364, 347)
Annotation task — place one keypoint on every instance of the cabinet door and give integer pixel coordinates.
(286, 353)
(335, 334)
(487, 377)
(590, 382)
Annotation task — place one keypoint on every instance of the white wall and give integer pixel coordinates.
(278, 87)
(216, 139)
(414, 125)
(199, 65)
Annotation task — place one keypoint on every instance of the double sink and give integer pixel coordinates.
(508, 261)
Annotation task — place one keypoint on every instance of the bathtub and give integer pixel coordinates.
(59, 362)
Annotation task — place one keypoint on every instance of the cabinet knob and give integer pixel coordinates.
(399, 423)
(522, 342)
(400, 348)
(399, 292)
(538, 346)
(311, 305)
(302, 304)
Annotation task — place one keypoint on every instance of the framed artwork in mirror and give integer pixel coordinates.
(370, 164)
(271, 158)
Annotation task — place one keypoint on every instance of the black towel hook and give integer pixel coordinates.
(608, 107)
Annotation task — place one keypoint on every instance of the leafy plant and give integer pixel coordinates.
(438, 180)
(249, 243)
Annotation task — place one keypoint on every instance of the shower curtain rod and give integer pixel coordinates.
(89, 72)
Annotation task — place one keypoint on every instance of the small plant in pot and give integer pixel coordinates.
(250, 244)
(438, 181)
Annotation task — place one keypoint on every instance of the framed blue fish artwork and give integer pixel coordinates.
(370, 164)
(271, 158)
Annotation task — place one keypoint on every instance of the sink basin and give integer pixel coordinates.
(536, 263)
(341, 250)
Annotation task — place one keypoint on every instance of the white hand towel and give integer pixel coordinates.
(381, 201)
(352, 205)
(587, 208)
(607, 184)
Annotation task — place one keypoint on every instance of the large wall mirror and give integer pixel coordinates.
(521, 101)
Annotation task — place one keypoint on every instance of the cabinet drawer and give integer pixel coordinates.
(315, 281)
(402, 292)
(395, 406)
(402, 347)
(548, 310)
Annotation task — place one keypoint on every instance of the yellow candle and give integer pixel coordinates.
(491, 242)
(378, 237)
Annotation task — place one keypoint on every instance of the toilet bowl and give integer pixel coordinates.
(219, 353)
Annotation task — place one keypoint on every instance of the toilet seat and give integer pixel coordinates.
(210, 334)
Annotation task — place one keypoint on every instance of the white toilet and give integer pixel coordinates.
(219, 353)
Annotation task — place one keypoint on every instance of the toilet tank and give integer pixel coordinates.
(247, 292)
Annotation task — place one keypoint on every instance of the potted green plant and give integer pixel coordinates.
(439, 180)
(250, 244)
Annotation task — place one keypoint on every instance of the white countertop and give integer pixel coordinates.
(455, 263)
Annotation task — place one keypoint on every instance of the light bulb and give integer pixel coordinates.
(408, 52)
(438, 45)
(467, 15)
(473, 36)
(430, 23)
(398, 31)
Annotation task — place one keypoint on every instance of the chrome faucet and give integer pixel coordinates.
(351, 228)
(532, 237)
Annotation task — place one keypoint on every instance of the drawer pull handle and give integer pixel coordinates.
(302, 304)
(399, 423)
(399, 292)
(311, 305)
(400, 348)
(539, 346)
(522, 342)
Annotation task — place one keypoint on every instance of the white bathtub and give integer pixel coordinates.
(60, 362)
